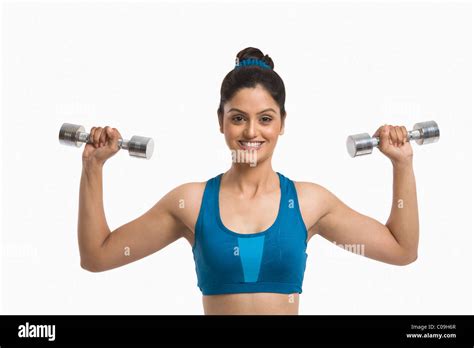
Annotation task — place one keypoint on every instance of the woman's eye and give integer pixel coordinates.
(237, 118)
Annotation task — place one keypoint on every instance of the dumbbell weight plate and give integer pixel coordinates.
(360, 144)
(139, 146)
(67, 134)
(429, 132)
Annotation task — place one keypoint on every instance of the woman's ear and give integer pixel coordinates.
(282, 129)
(221, 125)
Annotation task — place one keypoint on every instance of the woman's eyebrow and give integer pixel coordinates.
(266, 110)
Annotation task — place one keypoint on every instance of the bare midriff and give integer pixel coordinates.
(262, 303)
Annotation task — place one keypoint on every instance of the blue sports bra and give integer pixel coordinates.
(273, 260)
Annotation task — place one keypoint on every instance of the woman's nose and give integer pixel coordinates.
(250, 130)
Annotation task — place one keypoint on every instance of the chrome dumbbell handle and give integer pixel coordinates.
(412, 135)
(362, 144)
(75, 135)
(83, 137)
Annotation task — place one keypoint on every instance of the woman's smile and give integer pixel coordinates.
(250, 145)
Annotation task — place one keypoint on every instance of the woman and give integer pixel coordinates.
(248, 227)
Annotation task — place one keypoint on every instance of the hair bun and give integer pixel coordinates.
(252, 52)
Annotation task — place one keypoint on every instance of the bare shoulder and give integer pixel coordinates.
(315, 192)
(311, 193)
(185, 202)
(190, 192)
(314, 203)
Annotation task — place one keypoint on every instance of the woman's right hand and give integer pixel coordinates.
(104, 144)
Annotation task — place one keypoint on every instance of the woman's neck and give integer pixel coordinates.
(250, 181)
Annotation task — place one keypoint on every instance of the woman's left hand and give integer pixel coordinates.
(393, 143)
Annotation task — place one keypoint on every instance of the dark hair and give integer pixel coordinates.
(250, 77)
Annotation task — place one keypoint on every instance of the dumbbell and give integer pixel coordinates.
(75, 135)
(362, 144)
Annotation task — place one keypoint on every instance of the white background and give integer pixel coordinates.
(155, 69)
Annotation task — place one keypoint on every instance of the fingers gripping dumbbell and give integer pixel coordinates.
(362, 144)
(75, 135)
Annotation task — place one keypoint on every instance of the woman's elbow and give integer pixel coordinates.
(92, 266)
(407, 259)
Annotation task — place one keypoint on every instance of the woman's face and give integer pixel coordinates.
(252, 122)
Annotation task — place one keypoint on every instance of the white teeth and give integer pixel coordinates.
(251, 144)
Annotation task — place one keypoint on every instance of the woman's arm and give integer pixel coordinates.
(101, 249)
(92, 228)
(396, 242)
(403, 221)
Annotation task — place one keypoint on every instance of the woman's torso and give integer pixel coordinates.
(247, 216)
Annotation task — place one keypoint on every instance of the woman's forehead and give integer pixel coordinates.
(251, 100)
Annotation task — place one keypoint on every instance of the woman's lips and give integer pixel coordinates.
(251, 145)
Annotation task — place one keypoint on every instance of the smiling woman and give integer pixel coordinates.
(249, 227)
